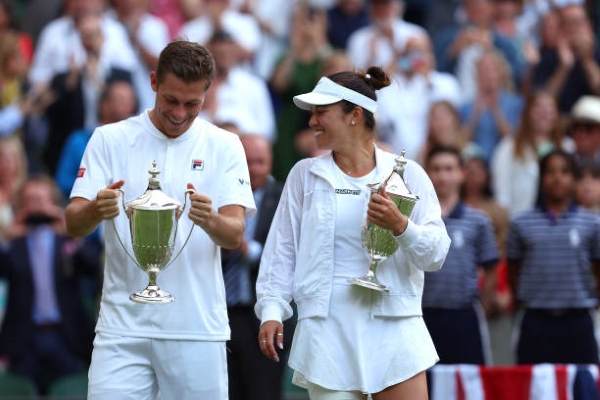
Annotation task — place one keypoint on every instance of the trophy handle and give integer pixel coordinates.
(188, 191)
(122, 193)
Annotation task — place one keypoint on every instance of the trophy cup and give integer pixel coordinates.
(153, 218)
(380, 242)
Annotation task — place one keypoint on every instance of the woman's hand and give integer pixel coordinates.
(383, 211)
(271, 335)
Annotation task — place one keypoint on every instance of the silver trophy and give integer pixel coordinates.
(153, 219)
(380, 242)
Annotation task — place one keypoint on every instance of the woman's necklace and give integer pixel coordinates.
(343, 168)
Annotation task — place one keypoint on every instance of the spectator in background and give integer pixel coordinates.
(173, 13)
(587, 187)
(21, 112)
(444, 129)
(477, 192)
(442, 14)
(515, 160)
(458, 47)
(46, 332)
(15, 105)
(78, 90)
(148, 35)
(13, 164)
(251, 375)
(494, 112)
(584, 128)
(218, 15)
(506, 22)
(274, 18)
(553, 254)
(8, 23)
(416, 11)
(60, 49)
(384, 39)
(36, 14)
(453, 306)
(237, 95)
(404, 105)
(531, 19)
(117, 102)
(571, 69)
(343, 19)
(297, 72)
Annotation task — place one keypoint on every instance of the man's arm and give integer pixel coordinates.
(225, 227)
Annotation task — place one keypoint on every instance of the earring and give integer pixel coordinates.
(353, 122)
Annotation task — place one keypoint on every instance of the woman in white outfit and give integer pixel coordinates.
(350, 341)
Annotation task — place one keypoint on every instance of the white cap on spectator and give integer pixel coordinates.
(586, 109)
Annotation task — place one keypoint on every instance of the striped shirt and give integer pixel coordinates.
(473, 246)
(556, 254)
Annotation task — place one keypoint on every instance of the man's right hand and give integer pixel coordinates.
(107, 201)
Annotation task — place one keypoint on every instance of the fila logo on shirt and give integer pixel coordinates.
(197, 165)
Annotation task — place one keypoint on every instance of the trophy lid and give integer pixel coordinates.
(395, 184)
(154, 198)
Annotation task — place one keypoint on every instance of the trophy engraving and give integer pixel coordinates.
(153, 219)
(377, 241)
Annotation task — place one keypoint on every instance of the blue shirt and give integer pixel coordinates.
(70, 159)
(340, 25)
(40, 243)
(556, 254)
(487, 134)
(473, 245)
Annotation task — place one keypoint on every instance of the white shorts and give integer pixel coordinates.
(131, 368)
(316, 392)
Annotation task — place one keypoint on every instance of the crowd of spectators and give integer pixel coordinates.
(504, 81)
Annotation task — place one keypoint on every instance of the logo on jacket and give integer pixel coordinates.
(80, 172)
(197, 165)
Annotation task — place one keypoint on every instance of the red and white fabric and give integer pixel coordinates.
(523, 382)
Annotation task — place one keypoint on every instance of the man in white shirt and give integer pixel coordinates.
(59, 45)
(148, 35)
(404, 105)
(237, 97)
(380, 42)
(219, 15)
(177, 349)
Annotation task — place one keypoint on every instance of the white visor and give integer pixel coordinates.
(329, 92)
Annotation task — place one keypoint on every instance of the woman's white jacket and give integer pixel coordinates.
(297, 261)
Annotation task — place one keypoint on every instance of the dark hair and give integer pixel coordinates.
(107, 92)
(365, 83)
(545, 161)
(42, 177)
(188, 61)
(13, 23)
(523, 136)
(568, 157)
(587, 168)
(486, 190)
(439, 149)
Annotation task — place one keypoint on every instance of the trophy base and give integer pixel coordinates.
(152, 295)
(369, 283)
